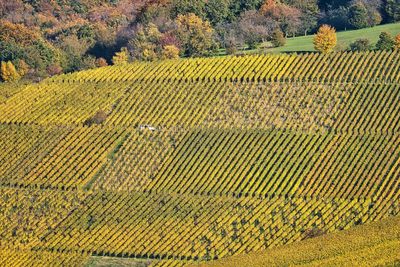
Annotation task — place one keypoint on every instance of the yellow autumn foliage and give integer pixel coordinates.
(122, 57)
(170, 52)
(8, 72)
(325, 40)
(195, 34)
(397, 42)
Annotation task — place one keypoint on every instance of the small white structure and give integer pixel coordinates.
(146, 126)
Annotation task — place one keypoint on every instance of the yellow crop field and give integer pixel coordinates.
(191, 161)
(22, 258)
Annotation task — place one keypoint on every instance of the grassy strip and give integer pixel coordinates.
(305, 43)
(111, 156)
(116, 262)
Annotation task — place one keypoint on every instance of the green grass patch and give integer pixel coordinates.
(305, 43)
(111, 156)
(116, 262)
(116, 149)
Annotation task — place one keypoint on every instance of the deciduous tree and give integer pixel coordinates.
(184, 7)
(170, 52)
(338, 18)
(217, 11)
(18, 33)
(397, 42)
(18, 42)
(74, 50)
(239, 6)
(195, 35)
(254, 28)
(287, 17)
(325, 40)
(23, 68)
(9, 72)
(122, 57)
(309, 14)
(54, 69)
(146, 43)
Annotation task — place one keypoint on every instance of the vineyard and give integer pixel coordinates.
(374, 244)
(178, 162)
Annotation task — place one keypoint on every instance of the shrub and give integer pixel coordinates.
(278, 39)
(101, 62)
(54, 69)
(362, 44)
(231, 49)
(385, 42)
(97, 118)
(313, 232)
(88, 62)
(325, 40)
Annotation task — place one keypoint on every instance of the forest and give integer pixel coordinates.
(42, 38)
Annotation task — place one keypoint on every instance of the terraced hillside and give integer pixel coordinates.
(175, 162)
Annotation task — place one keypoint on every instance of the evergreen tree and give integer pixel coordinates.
(358, 16)
(392, 9)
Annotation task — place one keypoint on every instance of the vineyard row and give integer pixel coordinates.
(345, 108)
(371, 66)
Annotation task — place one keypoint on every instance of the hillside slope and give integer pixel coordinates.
(187, 160)
(373, 244)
